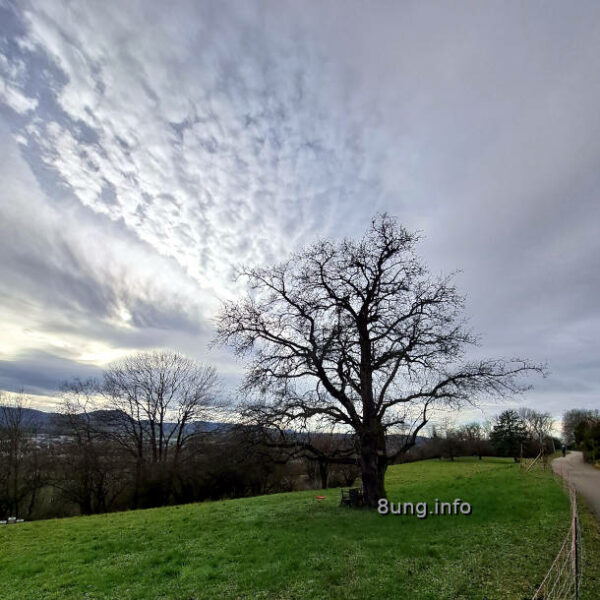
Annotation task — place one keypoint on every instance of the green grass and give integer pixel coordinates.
(292, 546)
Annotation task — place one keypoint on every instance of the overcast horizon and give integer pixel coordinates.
(146, 150)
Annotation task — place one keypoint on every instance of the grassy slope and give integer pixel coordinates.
(292, 546)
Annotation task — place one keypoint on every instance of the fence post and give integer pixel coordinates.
(575, 542)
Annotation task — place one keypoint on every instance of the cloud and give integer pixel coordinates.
(78, 286)
(38, 372)
(157, 149)
(145, 199)
(244, 161)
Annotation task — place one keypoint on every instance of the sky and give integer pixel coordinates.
(147, 149)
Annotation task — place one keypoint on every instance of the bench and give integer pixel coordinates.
(352, 497)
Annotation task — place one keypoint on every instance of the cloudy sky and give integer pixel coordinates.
(147, 148)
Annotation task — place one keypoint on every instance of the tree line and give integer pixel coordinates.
(581, 430)
(151, 432)
(140, 438)
(513, 433)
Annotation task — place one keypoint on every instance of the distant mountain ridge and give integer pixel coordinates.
(54, 423)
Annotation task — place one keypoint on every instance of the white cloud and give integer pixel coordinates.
(218, 145)
(12, 97)
(73, 285)
(11, 92)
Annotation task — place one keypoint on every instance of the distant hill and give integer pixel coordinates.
(43, 422)
(31, 417)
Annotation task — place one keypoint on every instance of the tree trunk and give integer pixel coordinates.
(137, 484)
(323, 473)
(373, 465)
(32, 502)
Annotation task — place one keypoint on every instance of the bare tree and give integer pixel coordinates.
(539, 425)
(149, 405)
(20, 468)
(88, 470)
(359, 335)
(159, 396)
(475, 439)
(157, 399)
(451, 442)
(572, 418)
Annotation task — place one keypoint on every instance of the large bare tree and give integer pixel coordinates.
(358, 334)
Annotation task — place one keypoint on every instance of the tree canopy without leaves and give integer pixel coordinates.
(149, 404)
(573, 418)
(538, 424)
(20, 465)
(359, 335)
(157, 396)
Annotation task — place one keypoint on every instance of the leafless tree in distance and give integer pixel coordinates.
(150, 404)
(539, 425)
(21, 474)
(88, 471)
(160, 395)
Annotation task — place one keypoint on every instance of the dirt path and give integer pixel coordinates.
(582, 476)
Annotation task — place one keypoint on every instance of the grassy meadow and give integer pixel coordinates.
(293, 546)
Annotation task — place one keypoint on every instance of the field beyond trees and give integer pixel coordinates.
(293, 546)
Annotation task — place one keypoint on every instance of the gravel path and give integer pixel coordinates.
(582, 476)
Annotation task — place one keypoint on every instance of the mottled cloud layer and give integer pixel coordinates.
(147, 149)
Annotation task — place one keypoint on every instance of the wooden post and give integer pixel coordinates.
(542, 451)
(532, 463)
(521, 457)
(574, 542)
(576, 557)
